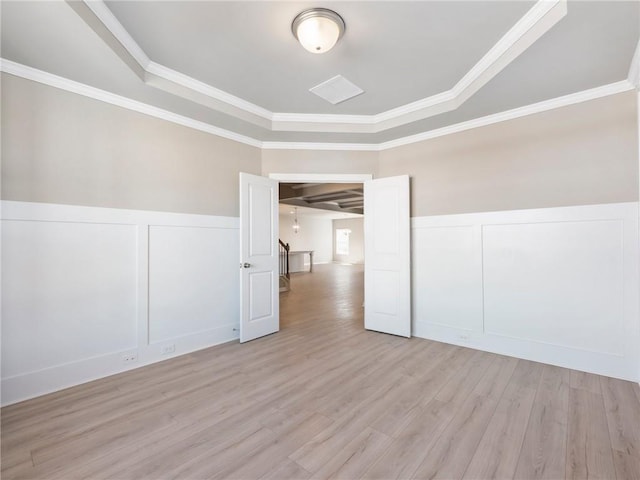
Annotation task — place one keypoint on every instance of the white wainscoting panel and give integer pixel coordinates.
(62, 302)
(568, 274)
(446, 266)
(186, 293)
(555, 285)
(85, 289)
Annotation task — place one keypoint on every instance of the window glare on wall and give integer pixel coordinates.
(342, 241)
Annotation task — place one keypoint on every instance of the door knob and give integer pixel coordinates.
(246, 265)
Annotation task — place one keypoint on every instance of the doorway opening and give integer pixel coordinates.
(322, 233)
(387, 249)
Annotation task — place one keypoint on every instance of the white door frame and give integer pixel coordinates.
(321, 177)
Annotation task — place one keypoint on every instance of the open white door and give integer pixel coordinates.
(259, 290)
(387, 274)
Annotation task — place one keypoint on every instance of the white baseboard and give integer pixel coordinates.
(59, 377)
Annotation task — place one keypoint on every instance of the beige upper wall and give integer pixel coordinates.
(59, 147)
(576, 155)
(319, 161)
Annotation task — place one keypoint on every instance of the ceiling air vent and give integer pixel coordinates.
(336, 90)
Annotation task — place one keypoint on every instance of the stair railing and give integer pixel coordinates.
(284, 259)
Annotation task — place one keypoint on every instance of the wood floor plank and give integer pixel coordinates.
(497, 377)
(17, 465)
(589, 452)
(326, 445)
(289, 470)
(464, 380)
(415, 438)
(636, 388)
(454, 448)
(355, 457)
(217, 461)
(543, 453)
(289, 432)
(188, 445)
(408, 397)
(326, 398)
(585, 381)
(623, 417)
(499, 450)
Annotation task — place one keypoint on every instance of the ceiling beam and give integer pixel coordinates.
(296, 202)
(351, 203)
(332, 197)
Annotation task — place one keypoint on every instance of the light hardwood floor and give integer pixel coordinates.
(324, 398)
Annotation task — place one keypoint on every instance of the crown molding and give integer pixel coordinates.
(29, 73)
(535, 23)
(206, 89)
(341, 147)
(552, 104)
(188, 88)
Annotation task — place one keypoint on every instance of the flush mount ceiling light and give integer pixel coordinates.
(318, 29)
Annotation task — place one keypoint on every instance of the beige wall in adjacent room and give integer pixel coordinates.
(319, 161)
(59, 147)
(577, 155)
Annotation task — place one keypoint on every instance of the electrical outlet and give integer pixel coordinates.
(168, 349)
(130, 357)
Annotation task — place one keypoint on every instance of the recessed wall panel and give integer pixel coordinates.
(193, 280)
(556, 283)
(448, 276)
(68, 292)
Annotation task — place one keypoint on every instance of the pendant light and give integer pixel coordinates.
(296, 225)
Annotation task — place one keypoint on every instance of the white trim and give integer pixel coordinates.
(23, 71)
(535, 23)
(567, 100)
(321, 177)
(634, 68)
(530, 215)
(206, 89)
(29, 73)
(571, 99)
(443, 98)
(323, 118)
(52, 212)
(104, 14)
(342, 147)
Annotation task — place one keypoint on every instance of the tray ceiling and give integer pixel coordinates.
(236, 67)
